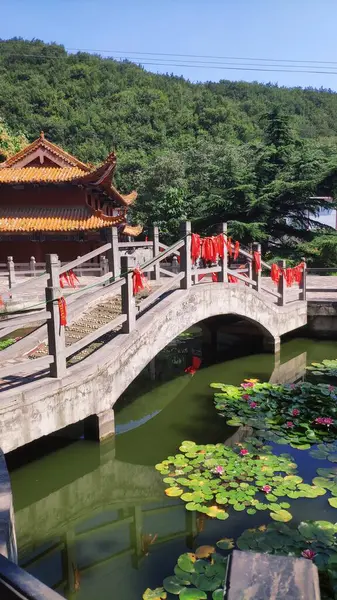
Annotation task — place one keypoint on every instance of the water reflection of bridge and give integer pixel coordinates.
(97, 512)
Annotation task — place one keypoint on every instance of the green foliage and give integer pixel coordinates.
(10, 143)
(5, 343)
(212, 478)
(301, 414)
(327, 368)
(195, 578)
(209, 152)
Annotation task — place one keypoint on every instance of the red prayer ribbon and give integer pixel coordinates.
(257, 261)
(139, 281)
(229, 247)
(275, 273)
(232, 279)
(62, 310)
(195, 247)
(236, 250)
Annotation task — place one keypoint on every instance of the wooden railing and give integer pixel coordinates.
(118, 280)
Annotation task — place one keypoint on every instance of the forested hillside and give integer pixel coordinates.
(246, 152)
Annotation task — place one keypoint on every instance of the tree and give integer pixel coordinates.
(10, 143)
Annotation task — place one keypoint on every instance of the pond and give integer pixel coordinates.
(100, 510)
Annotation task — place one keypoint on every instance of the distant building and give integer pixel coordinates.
(51, 202)
(326, 216)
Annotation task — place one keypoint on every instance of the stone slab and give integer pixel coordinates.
(256, 576)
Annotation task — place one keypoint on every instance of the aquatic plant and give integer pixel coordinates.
(212, 478)
(327, 368)
(313, 540)
(196, 575)
(300, 415)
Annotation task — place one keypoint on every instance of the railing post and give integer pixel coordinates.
(303, 282)
(282, 284)
(11, 271)
(79, 269)
(155, 274)
(250, 270)
(223, 261)
(185, 255)
(56, 341)
(101, 264)
(113, 254)
(32, 266)
(257, 277)
(128, 300)
(175, 265)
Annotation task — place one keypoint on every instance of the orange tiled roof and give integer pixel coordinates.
(16, 220)
(67, 168)
(43, 144)
(133, 230)
(39, 174)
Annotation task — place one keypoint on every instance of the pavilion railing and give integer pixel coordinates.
(118, 280)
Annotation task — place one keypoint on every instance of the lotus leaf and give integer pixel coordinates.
(225, 544)
(186, 562)
(173, 491)
(333, 502)
(292, 414)
(204, 551)
(281, 515)
(189, 594)
(173, 585)
(217, 594)
(157, 594)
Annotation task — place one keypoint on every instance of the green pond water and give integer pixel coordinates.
(93, 507)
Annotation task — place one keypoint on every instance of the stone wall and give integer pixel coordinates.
(7, 529)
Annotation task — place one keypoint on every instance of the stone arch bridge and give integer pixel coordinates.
(47, 401)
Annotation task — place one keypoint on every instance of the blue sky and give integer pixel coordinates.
(299, 30)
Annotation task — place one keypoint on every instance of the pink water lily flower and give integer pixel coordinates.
(249, 384)
(331, 388)
(290, 424)
(219, 469)
(252, 404)
(245, 397)
(310, 554)
(266, 489)
(324, 421)
(244, 451)
(295, 412)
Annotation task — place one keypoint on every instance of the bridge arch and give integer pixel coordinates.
(93, 386)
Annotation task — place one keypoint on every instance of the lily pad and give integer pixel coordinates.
(204, 551)
(333, 502)
(157, 594)
(192, 594)
(226, 544)
(173, 585)
(281, 515)
(173, 491)
(186, 562)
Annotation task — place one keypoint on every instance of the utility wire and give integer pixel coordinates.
(205, 64)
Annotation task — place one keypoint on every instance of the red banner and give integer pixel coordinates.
(257, 261)
(236, 250)
(62, 310)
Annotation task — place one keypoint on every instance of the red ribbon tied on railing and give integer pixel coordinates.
(229, 247)
(257, 261)
(220, 242)
(69, 278)
(275, 273)
(139, 281)
(62, 311)
(236, 250)
(291, 274)
(209, 250)
(195, 247)
(232, 279)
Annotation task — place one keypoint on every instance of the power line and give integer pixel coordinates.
(294, 68)
(202, 56)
